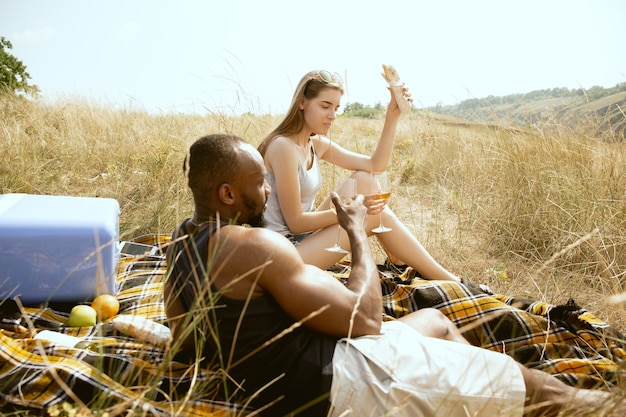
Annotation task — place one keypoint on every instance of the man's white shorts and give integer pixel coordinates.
(403, 373)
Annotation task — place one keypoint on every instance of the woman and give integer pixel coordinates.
(292, 152)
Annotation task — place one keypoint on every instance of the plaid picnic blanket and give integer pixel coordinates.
(116, 373)
(110, 370)
(566, 340)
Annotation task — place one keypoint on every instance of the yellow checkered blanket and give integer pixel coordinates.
(566, 340)
(116, 373)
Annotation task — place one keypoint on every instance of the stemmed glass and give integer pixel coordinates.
(346, 192)
(379, 190)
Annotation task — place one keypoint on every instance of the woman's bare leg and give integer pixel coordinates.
(312, 248)
(400, 244)
(404, 245)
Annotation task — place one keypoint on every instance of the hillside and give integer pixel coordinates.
(602, 111)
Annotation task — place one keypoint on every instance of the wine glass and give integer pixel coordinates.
(379, 190)
(346, 192)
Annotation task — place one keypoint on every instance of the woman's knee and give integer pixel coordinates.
(362, 181)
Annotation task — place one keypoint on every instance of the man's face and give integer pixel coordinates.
(257, 219)
(252, 187)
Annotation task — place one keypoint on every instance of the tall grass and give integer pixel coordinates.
(79, 148)
(489, 201)
(538, 212)
(549, 207)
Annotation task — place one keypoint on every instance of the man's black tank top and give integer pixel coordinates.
(303, 356)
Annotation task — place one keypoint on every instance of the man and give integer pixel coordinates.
(291, 339)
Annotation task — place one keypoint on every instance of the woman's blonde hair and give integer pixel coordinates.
(309, 87)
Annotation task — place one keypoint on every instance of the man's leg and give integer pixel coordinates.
(548, 396)
(545, 394)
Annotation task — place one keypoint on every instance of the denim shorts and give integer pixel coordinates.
(295, 239)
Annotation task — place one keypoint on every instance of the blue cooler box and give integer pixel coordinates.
(57, 248)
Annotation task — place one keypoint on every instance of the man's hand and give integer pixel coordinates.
(351, 215)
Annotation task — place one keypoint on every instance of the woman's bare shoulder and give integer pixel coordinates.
(320, 140)
(322, 144)
(279, 153)
(280, 142)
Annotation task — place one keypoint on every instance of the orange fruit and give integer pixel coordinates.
(106, 306)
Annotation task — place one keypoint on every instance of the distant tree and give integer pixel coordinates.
(618, 88)
(362, 110)
(560, 92)
(13, 75)
(352, 107)
(596, 92)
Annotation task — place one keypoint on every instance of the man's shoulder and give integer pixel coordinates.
(253, 235)
(252, 247)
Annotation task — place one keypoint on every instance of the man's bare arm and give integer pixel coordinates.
(301, 289)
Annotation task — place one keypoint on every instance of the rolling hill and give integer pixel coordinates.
(601, 111)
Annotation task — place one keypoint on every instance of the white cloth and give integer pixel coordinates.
(403, 373)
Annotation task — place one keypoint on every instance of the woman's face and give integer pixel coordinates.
(320, 112)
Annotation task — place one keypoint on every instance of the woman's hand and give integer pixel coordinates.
(374, 207)
(396, 86)
(393, 108)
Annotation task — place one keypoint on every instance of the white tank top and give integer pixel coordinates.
(310, 184)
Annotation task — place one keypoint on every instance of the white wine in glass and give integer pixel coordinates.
(346, 192)
(379, 190)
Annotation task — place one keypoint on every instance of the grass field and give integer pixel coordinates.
(538, 211)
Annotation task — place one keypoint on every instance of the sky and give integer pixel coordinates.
(236, 56)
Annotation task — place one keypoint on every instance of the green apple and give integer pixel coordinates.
(82, 315)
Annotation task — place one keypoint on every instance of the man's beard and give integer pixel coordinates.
(257, 220)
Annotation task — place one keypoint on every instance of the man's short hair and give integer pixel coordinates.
(212, 161)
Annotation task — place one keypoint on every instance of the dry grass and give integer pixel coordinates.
(540, 213)
(481, 198)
